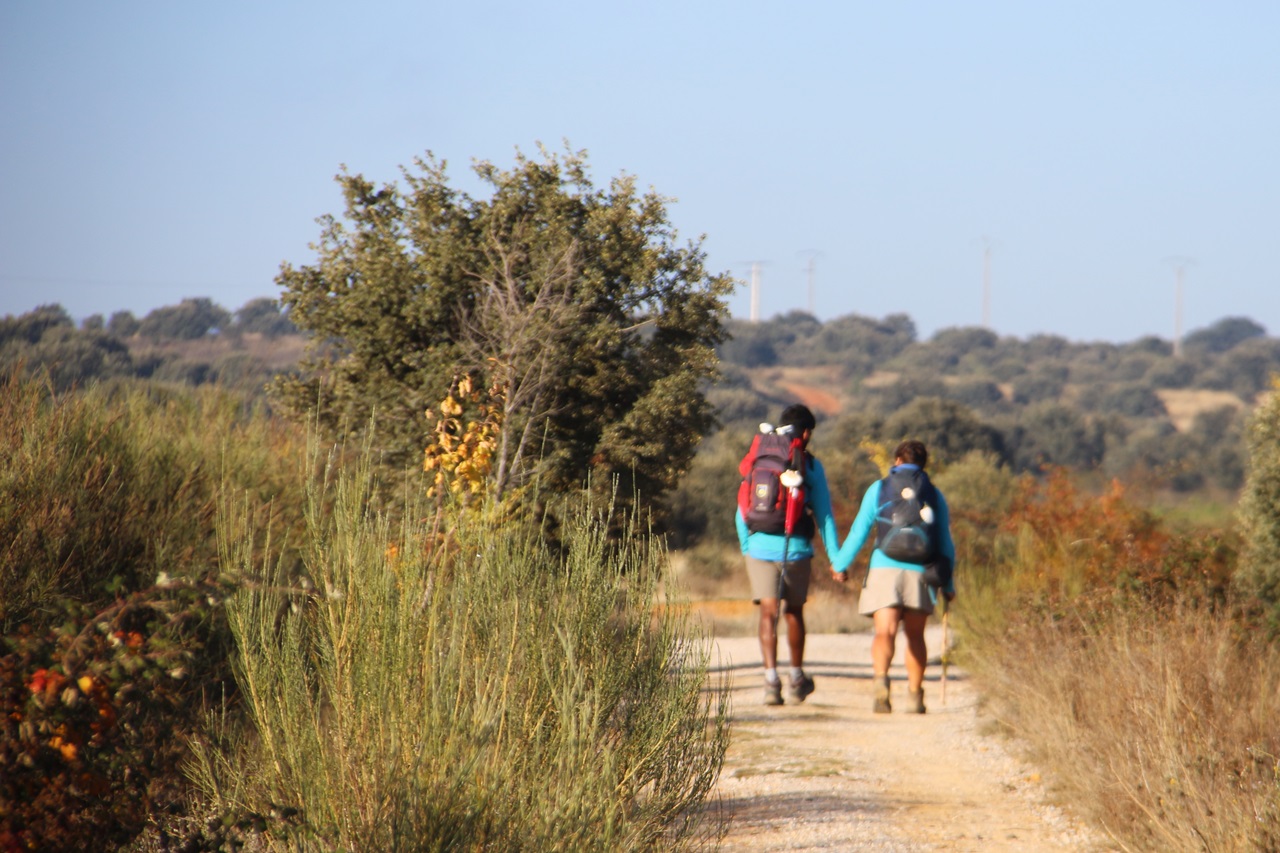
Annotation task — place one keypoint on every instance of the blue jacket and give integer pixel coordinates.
(770, 546)
(865, 523)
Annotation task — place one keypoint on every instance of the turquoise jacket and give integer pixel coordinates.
(770, 546)
(865, 523)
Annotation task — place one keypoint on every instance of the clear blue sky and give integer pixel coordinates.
(153, 151)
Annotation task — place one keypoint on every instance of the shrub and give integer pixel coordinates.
(444, 682)
(103, 670)
(950, 429)
(1133, 399)
(117, 486)
(1043, 382)
(94, 713)
(1171, 372)
(1147, 697)
(907, 389)
(189, 320)
(1159, 727)
(1050, 434)
(1260, 506)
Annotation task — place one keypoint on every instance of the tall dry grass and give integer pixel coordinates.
(1119, 654)
(1160, 727)
(448, 683)
(104, 489)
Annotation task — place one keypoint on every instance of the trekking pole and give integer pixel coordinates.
(945, 652)
(791, 480)
(782, 579)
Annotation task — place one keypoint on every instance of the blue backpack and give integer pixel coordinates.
(907, 517)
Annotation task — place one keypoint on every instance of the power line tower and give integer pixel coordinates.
(987, 245)
(1179, 265)
(811, 272)
(755, 290)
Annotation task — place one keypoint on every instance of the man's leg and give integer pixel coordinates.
(886, 621)
(795, 636)
(801, 683)
(769, 632)
(769, 650)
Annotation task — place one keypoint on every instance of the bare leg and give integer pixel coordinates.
(886, 621)
(795, 635)
(769, 632)
(917, 657)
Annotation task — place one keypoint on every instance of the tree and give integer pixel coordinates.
(1259, 509)
(949, 429)
(123, 324)
(948, 346)
(262, 316)
(30, 327)
(749, 345)
(1053, 434)
(71, 357)
(861, 342)
(189, 320)
(1223, 335)
(593, 331)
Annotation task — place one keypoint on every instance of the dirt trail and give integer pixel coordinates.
(831, 775)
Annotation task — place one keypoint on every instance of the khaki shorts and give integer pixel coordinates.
(894, 588)
(764, 580)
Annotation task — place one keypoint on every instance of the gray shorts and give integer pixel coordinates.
(764, 580)
(894, 588)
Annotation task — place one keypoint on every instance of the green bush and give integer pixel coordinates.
(1049, 434)
(117, 485)
(113, 641)
(443, 682)
(949, 429)
(95, 712)
(1260, 506)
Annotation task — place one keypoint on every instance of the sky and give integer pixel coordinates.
(1041, 167)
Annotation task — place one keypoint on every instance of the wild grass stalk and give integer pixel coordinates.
(1159, 727)
(1111, 646)
(442, 682)
(103, 490)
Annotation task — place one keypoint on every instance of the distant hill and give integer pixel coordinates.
(1136, 409)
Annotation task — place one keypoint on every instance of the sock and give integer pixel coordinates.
(797, 673)
(771, 676)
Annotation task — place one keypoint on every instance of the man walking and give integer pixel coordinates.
(779, 556)
(897, 592)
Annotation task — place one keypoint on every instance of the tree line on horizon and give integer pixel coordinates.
(1032, 402)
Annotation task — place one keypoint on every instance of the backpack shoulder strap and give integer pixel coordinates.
(744, 467)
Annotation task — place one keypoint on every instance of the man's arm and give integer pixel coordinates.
(820, 501)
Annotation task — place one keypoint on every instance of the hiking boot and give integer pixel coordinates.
(881, 705)
(801, 687)
(915, 701)
(773, 692)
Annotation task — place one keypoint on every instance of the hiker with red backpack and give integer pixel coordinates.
(909, 568)
(782, 501)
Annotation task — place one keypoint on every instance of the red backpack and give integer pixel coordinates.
(767, 503)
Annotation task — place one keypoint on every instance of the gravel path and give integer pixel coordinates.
(831, 775)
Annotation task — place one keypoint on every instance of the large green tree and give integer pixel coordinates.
(575, 303)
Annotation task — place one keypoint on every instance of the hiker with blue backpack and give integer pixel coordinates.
(782, 502)
(910, 567)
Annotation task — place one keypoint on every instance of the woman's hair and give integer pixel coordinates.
(912, 453)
